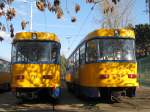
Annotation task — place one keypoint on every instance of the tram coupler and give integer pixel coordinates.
(116, 95)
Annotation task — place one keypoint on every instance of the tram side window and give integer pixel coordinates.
(91, 51)
(74, 59)
(82, 54)
(7, 67)
(77, 58)
(70, 64)
(4, 67)
(1, 67)
(68, 67)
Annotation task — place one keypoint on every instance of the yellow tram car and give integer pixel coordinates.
(104, 63)
(5, 76)
(35, 65)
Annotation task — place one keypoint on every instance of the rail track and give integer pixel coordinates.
(70, 103)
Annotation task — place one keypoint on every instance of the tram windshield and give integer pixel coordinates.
(110, 49)
(36, 52)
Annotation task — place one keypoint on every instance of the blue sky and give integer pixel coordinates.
(87, 21)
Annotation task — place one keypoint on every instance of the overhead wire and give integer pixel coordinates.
(84, 22)
(67, 10)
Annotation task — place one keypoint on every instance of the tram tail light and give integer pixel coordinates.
(104, 76)
(132, 76)
(19, 77)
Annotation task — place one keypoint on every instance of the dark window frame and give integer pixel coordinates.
(58, 57)
(83, 44)
(126, 38)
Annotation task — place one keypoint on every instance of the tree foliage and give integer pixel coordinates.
(9, 13)
(142, 32)
(53, 6)
(63, 65)
(116, 13)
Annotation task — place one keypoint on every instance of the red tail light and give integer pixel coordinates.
(132, 76)
(47, 76)
(19, 77)
(104, 76)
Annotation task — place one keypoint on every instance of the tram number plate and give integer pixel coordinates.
(33, 76)
(120, 76)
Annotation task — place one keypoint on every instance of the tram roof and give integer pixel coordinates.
(121, 33)
(4, 60)
(36, 36)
